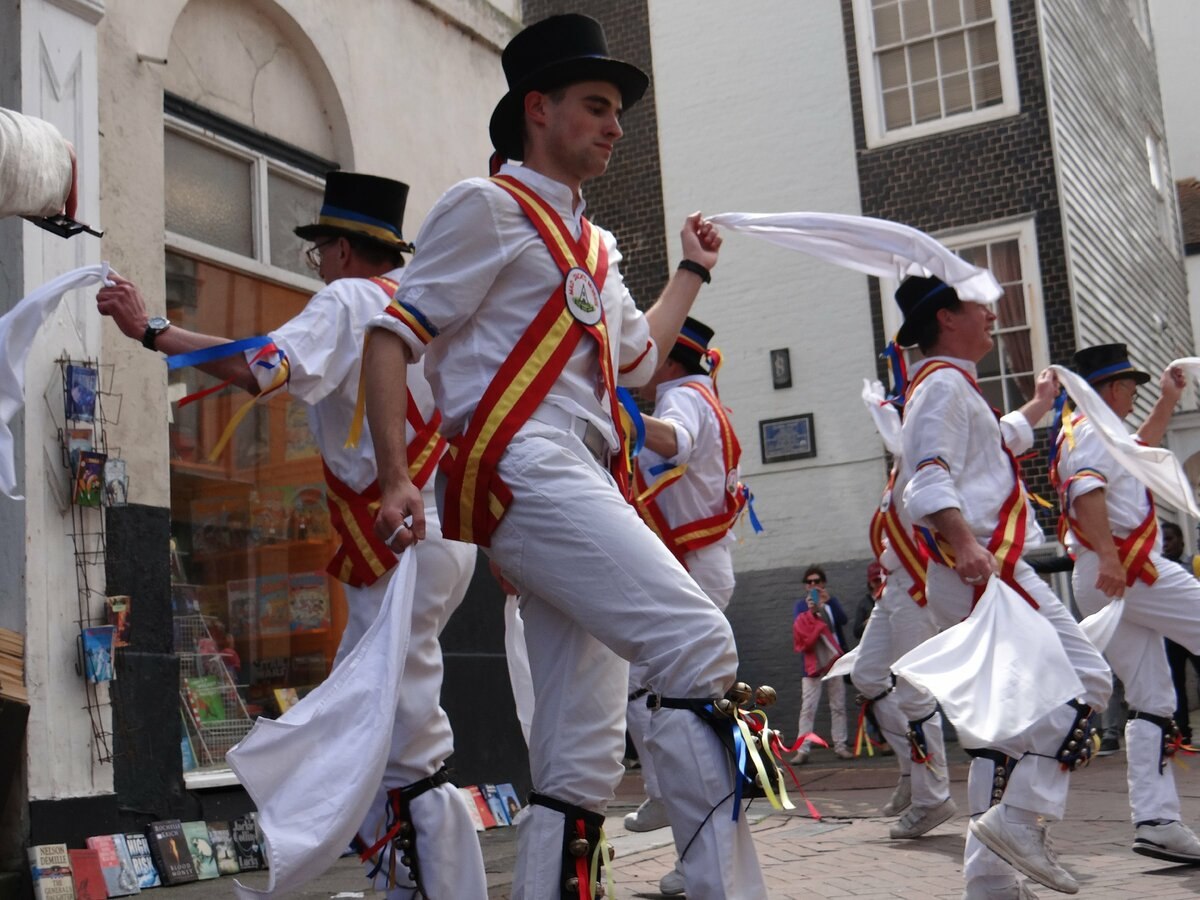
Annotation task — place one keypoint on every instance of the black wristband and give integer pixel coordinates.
(690, 265)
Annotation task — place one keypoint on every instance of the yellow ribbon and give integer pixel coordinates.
(281, 378)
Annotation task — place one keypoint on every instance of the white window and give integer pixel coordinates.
(1009, 251)
(928, 66)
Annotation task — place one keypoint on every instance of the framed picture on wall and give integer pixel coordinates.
(788, 437)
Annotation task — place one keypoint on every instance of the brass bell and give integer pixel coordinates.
(405, 843)
(724, 707)
(406, 860)
(740, 693)
(1065, 755)
(765, 695)
(599, 891)
(999, 781)
(578, 847)
(610, 851)
(571, 885)
(1071, 745)
(997, 796)
(1078, 733)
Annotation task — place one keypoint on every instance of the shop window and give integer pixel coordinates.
(257, 619)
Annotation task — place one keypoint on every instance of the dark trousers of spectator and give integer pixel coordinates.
(1178, 656)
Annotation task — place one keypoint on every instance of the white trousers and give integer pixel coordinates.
(1170, 607)
(712, 569)
(598, 588)
(450, 858)
(1037, 783)
(896, 626)
(810, 700)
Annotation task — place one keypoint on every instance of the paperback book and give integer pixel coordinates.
(168, 848)
(87, 875)
(81, 393)
(50, 868)
(205, 698)
(245, 843)
(221, 839)
(309, 601)
(138, 846)
(200, 846)
(120, 877)
(98, 653)
(89, 479)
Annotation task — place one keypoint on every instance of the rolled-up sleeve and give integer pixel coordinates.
(456, 261)
(1087, 465)
(935, 425)
(35, 166)
(1017, 432)
(320, 345)
(682, 412)
(637, 354)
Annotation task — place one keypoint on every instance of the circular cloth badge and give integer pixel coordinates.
(731, 481)
(583, 297)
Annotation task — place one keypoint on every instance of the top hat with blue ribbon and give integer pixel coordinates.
(1104, 362)
(365, 206)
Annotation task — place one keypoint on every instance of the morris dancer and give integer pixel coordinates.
(1113, 535)
(519, 301)
(316, 357)
(965, 492)
(908, 716)
(688, 493)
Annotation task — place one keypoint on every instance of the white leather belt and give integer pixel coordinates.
(591, 436)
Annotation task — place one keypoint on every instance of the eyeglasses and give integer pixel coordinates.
(313, 253)
(814, 580)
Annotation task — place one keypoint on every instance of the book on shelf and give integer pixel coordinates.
(199, 844)
(168, 849)
(138, 846)
(120, 877)
(205, 698)
(308, 595)
(495, 804)
(50, 869)
(246, 848)
(118, 609)
(512, 803)
(87, 875)
(472, 808)
(98, 653)
(221, 839)
(274, 606)
(481, 804)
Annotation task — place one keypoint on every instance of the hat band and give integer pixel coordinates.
(335, 217)
(1124, 366)
(690, 343)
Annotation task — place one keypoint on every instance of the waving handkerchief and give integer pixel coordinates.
(873, 246)
(1155, 467)
(884, 414)
(18, 327)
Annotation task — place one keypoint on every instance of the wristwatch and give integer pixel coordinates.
(156, 326)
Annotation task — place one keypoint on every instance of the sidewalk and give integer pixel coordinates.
(848, 853)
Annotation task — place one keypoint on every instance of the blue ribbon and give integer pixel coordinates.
(739, 745)
(754, 523)
(635, 416)
(1056, 426)
(217, 351)
(896, 366)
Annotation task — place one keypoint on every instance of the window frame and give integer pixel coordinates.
(1024, 232)
(876, 131)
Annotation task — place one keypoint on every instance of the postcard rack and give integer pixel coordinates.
(214, 713)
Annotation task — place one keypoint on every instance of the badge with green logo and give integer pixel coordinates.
(583, 298)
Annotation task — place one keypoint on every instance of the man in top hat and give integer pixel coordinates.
(963, 490)
(520, 303)
(316, 356)
(688, 474)
(1114, 537)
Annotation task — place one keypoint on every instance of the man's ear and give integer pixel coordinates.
(535, 107)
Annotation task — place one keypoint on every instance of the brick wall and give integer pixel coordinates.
(628, 199)
(977, 175)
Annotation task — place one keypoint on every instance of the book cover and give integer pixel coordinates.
(81, 393)
(138, 846)
(50, 868)
(269, 513)
(308, 668)
(168, 848)
(98, 653)
(78, 439)
(308, 594)
(262, 841)
(286, 698)
(495, 804)
(195, 837)
(242, 596)
(310, 514)
(120, 879)
(481, 804)
(87, 875)
(245, 843)
(512, 805)
(118, 618)
(300, 441)
(205, 698)
(89, 479)
(116, 483)
(185, 600)
(221, 839)
(274, 606)
(471, 808)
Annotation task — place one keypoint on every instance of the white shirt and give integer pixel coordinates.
(324, 346)
(1125, 496)
(700, 491)
(480, 275)
(35, 166)
(946, 418)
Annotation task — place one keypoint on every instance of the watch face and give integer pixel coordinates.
(158, 323)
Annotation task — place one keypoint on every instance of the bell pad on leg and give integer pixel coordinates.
(1078, 746)
(1002, 767)
(582, 839)
(401, 833)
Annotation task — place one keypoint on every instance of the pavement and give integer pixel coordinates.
(847, 853)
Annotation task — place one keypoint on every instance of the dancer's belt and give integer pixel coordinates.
(584, 429)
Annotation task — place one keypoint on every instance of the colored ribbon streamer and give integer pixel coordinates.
(217, 351)
(635, 420)
(281, 378)
(747, 497)
(899, 369)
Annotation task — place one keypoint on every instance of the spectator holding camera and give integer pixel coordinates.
(817, 620)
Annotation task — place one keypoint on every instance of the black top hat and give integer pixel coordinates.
(554, 52)
(1104, 362)
(366, 206)
(919, 299)
(692, 346)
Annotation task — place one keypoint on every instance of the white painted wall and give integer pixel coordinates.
(754, 116)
